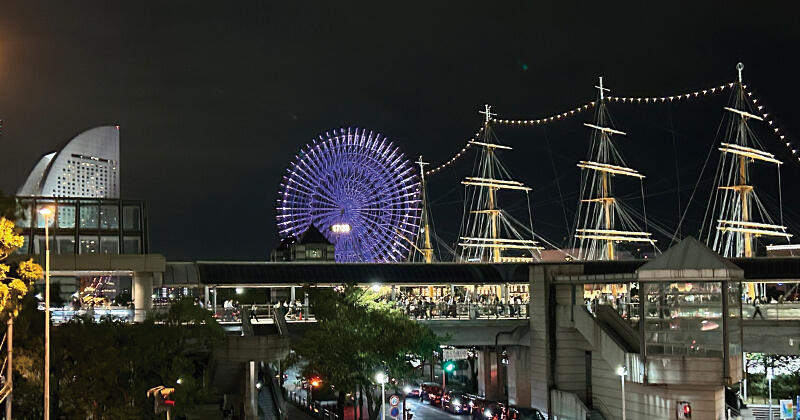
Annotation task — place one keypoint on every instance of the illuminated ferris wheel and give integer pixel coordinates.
(358, 189)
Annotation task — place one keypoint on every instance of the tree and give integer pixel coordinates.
(358, 335)
(103, 370)
(9, 207)
(13, 290)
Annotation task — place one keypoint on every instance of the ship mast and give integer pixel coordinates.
(738, 222)
(426, 249)
(483, 239)
(598, 209)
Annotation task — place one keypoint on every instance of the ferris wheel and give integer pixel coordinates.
(358, 190)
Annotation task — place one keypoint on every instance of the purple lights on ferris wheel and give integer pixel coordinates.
(358, 189)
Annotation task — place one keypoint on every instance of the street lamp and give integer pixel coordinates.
(313, 383)
(47, 213)
(769, 378)
(382, 379)
(622, 371)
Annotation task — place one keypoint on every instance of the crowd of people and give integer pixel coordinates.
(424, 307)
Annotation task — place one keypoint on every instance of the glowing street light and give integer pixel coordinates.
(381, 378)
(47, 213)
(313, 383)
(622, 371)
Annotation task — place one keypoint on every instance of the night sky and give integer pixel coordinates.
(215, 98)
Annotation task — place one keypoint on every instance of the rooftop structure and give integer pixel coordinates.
(85, 166)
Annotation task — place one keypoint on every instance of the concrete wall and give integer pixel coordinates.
(577, 332)
(490, 381)
(540, 361)
(245, 349)
(570, 371)
(771, 336)
(519, 375)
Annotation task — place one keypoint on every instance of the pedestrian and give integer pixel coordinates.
(253, 316)
(757, 305)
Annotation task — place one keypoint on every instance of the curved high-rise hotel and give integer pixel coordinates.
(80, 181)
(86, 166)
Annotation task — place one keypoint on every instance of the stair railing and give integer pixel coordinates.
(603, 409)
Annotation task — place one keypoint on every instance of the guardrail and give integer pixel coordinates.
(322, 409)
(471, 310)
(787, 311)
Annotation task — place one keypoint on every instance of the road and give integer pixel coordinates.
(430, 412)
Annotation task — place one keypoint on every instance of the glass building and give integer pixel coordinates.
(84, 226)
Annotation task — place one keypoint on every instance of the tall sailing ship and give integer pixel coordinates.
(488, 233)
(740, 215)
(602, 224)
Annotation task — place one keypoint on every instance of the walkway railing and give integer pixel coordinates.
(322, 409)
(773, 311)
(433, 311)
(786, 311)
(602, 408)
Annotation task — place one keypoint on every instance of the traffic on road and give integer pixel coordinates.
(429, 401)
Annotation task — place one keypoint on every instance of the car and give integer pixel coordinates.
(431, 392)
(456, 402)
(483, 409)
(523, 413)
(411, 391)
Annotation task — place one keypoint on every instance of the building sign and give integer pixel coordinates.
(455, 354)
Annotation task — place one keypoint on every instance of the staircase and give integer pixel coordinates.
(761, 412)
(266, 405)
(596, 415)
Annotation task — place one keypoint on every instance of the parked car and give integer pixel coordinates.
(411, 391)
(523, 413)
(431, 392)
(483, 409)
(456, 402)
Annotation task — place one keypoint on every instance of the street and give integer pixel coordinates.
(430, 412)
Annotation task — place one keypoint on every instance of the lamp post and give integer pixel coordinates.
(622, 371)
(314, 382)
(381, 378)
(47, 213)
(769, 378)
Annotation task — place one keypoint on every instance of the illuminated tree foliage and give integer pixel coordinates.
(12, 290)
(357, 336)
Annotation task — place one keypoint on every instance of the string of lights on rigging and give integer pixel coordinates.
(623, 99)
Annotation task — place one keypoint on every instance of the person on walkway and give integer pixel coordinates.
(757, 305)
(253, 316)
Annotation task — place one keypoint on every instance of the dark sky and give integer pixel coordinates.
(215, 98)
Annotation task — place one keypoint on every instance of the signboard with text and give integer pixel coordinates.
(455, 354)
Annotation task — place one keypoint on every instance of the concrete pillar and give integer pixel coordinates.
(488, 374)
(215, 299)
(250, 391)
(205, 297)
(540, 363)
(519, 375)
(292, 295)
(394, 293)
(142, 294)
